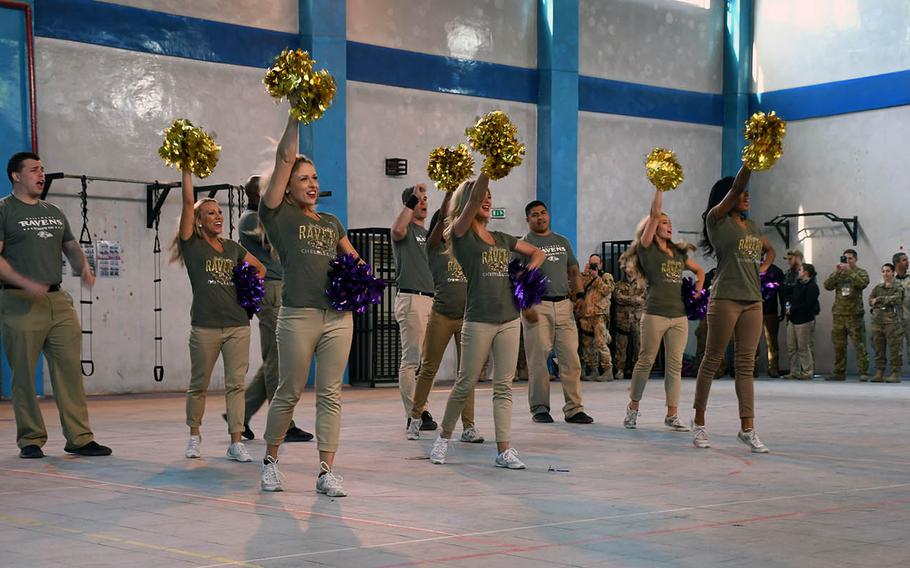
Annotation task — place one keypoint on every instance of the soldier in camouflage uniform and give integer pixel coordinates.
(593, 314)
(902, 278)
(629, 300)
(886, 302)
(848, 282)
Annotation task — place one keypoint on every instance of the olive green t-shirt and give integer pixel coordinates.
(248, 228)
(306, 247)
(664, 275)
(451, 284)
(212, 279)
(33, 237)
(411, 260)
(487, 270)
(559, 258)
(738, 253)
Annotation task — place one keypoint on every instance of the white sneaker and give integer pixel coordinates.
(237, 452)
(270, 476)
(700, 436)
(440, 448)
(631, 419)
(192, 447)
(509, 459)
(673, 423)
(414, 429)
(750, 438)
(329, 483)
(471, 436)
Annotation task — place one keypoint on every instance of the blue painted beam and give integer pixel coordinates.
(737, 81)
(632, 99)
(557, 114)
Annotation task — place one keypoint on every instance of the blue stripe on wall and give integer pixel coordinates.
(411, 70)
(839, 97)
(148, 31)
(632, 99)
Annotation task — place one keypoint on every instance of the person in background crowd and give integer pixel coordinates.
(886, 302)
(801, 309)
(771, 322)
(628, 304)
(593, 313)
(902, 278)
(848, 282)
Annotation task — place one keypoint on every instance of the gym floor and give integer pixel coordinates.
(834, 491)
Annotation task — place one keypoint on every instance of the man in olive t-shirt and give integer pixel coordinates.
(551, 324)
(414, 300)
(37, 316)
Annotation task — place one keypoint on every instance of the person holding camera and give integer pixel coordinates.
(593, 313)
(848, 282)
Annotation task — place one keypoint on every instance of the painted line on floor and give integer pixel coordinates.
(225, 500)
(623, 516)
(25, 523)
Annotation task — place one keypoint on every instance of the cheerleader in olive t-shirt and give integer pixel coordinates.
(219, 323)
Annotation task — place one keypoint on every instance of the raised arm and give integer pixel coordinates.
(653, 220)
(284, 163)
(435, 238)
(699, 275)
(400, 226)
(186, 211)
(739, 186)
(466, 218)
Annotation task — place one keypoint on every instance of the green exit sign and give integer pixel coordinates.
(498, 213)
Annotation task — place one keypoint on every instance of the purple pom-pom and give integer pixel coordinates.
(249, 286)
(769, 285)
(352, 286)
(528, 285)
(696, 306)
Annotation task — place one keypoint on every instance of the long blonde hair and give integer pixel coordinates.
(176, 253)
(459, 202)
(631, 255)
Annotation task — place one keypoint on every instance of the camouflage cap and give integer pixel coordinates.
(795, 252)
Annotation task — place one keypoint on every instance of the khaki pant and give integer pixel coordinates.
(412, 312)
(440, 331)
(477, 339)
(743, 322)
(206, 343)
(262, 387)
(673, 332)
(555, 327)
(799, 347)
(302, 333)
(46, 325)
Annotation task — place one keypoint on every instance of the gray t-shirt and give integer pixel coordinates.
(411, 260)
(33, 237)
(306, 247)
(738, 253)
(450, 281)
(559, 258)
(212, 278)
(248, 229)
(664, 275)
(486, 267)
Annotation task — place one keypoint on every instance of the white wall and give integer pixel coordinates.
(497, 31)
(818, 41)
(665, 43)
(101, 111)
(280, 15)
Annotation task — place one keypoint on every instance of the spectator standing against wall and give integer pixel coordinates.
(848, 282)
(801, 309)
(771, 321)
(902, 278)
(593, 312)
(886, 303)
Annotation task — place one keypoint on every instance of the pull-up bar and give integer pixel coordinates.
(782, 224)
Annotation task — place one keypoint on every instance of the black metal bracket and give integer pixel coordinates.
(782, 224)
(155, 200)
(48, 180)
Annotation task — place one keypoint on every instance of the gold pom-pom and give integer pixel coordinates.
(448, 167)
(189, 147)
(292, 75)
(765, 132)
(496, 137)
(663, 169)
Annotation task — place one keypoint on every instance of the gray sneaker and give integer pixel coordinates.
(509, 459)
(673, 423)
(750, 438)
(439, 450)
(700, 436)
(237, 452)
(471, 436)
(631, 419)
(193, 447)
(270, 477)
(329, 483)
(414, 429)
